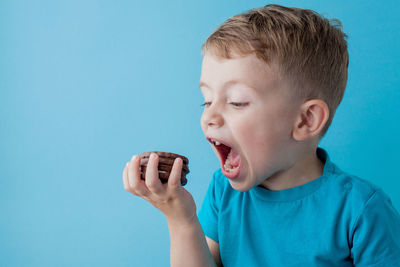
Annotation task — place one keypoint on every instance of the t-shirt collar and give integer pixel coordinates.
(298, 191)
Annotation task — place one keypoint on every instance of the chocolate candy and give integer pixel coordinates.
(165, 162)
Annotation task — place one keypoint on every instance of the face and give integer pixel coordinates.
(247, 110)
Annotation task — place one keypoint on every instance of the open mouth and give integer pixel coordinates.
(229, 158)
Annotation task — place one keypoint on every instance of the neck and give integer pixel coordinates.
(306, 169)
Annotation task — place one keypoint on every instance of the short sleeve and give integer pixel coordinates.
(376, 234)
(208, 214)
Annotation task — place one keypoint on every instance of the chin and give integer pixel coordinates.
(240, 186)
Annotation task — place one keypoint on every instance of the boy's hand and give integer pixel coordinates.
(175, 202)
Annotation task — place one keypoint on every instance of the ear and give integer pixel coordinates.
(311, 119)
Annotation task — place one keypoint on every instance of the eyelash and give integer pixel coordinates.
(236, 104)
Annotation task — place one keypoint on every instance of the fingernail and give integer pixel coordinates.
(134, 157)
(153, 155)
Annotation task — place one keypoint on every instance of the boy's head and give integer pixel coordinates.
(291, 65)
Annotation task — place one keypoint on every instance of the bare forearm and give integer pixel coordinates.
(188, 246)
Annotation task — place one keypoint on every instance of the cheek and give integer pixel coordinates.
(253, 137)
(256, 131)
(262, 139)
(243, 128)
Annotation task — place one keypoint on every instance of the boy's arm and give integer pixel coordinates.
(214, 249)
(376, 234)
(189, 246)
(188, 243)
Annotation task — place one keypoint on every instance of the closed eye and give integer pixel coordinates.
(236, 104)
(239, 104)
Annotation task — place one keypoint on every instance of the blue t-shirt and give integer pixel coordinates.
(335, 220)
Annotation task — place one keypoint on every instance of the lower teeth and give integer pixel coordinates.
(228, 167)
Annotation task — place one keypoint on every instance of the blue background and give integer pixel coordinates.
(84, 85)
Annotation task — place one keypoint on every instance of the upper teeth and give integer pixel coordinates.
(216, 143)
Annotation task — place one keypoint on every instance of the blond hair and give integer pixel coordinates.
(310, 51)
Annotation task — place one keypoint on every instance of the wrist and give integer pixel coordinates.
(185, 223)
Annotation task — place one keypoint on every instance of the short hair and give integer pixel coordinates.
(310, 50)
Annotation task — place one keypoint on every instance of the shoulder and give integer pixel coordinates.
(375, 224)
(221, 190)
(356, 190)
(365, 194)
(357, 187)
(218, 178)
(220, 183)
(345, 184)
(356, 196)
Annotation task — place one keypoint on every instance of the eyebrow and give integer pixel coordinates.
(227, 84)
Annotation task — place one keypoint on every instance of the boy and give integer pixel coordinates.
(272, 79)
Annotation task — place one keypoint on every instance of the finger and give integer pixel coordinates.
(174, 179)
(137, 186)
(125, 177)
(152, 179)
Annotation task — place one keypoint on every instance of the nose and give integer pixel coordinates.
(212, 117)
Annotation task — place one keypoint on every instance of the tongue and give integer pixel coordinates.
(233, 158)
